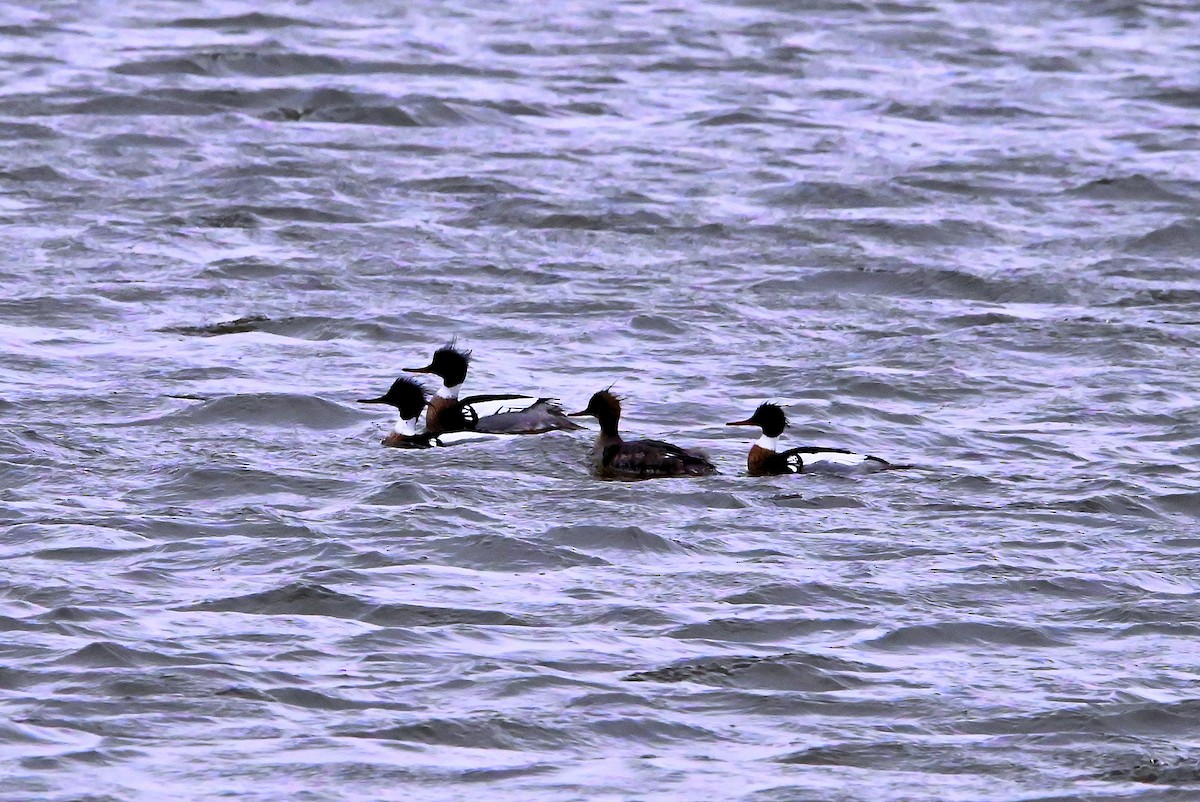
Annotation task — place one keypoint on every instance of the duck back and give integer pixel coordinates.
(648, 459)
(544, 415)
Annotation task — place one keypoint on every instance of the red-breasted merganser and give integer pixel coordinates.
(764, 460)
(494, 414)
(409, 398)
(614, 458)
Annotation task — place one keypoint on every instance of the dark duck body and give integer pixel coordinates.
(408, 398)
(614, 458)
(764, 460)
(501, 413)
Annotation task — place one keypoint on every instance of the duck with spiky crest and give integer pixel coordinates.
(765, 460)
(408, 398)
(615, 458)
(499, 413)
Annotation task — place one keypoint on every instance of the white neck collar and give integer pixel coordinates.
(448, 392)
(768, 443)
(405, 427)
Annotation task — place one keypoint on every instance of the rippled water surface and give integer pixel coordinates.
(961, 235)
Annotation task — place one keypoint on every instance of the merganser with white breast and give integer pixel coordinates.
(614, 458)
(764, 460)
(494, 414)
(408, 398)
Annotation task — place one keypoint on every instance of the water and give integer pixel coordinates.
(955, 234)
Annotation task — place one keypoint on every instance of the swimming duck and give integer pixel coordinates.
(408, 398)
(614, 458)
(500, 413)
(764, 460)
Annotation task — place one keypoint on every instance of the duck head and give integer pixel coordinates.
(605, 407)
(768, 417)
(408, 397)
(449, 363)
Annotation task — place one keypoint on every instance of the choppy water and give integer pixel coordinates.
(963, 235)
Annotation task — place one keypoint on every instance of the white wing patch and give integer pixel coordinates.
(829, 462)
(459, 438)
(835, 458)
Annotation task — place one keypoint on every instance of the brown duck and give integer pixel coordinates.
(614, 458)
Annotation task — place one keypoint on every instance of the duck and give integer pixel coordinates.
(614, 458)
(765, 460)
(497, 413)
(408, 397)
